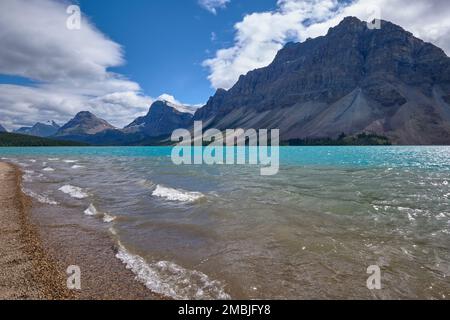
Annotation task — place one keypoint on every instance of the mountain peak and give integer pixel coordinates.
(176, 106)
(2, 129)
(54, 124)
(84, 123)
(351, 21)
(85, 114)
(40, 129)
(162, 119)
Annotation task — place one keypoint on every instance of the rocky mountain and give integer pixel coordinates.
(162, 119)
(2, 129)
(84, 123)
(353, 80)
(40, 129)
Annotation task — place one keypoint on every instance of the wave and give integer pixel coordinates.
(48, 169)
(176, 195)
(27, 177)
(107, 218)
(74, 192)
(70, 161)
(92, 211)
(41, 198)
(21, 164)
(77, 167)
(53, 159)
(172, 280)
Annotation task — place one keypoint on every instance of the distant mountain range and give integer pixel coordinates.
(40, 129)
(162, 119)
(2, 129)
(382, 85)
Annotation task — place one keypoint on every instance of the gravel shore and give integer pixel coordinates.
(26, 271)
(38, 243)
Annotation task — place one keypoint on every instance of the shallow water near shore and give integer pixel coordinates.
(219, 232)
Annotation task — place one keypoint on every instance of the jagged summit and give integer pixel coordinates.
(40, 129)
(162, 119)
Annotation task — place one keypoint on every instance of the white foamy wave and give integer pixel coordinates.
(41, 198)
(32, 161)
(74, 192)
(91, 211)
(70, 161)
(171, 280)
(77, 167)
(53, 159)
(107, 218)
(48, 169)
(176, 195)
(113, 231)
(27, 177)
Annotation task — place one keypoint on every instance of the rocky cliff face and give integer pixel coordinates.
(162, 119)
(350, 81)
(84, 123)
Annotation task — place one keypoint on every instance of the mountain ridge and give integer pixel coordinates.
(352, 80)
(162, 119)
(383, 83)
(84, 123)
(40, 129)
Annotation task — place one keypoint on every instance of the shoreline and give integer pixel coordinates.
(38, 243)
(27, 271)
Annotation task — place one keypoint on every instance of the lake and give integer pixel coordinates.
(225, 231)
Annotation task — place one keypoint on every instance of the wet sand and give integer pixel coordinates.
(37, 246)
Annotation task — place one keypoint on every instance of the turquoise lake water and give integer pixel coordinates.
(225, 231)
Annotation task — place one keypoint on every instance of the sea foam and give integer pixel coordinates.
(107, 218)
(27, 177)
(92, 211)
(176, 195)
(41, 198)
(172, 280)
(74, 192)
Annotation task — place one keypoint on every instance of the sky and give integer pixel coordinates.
(127, 54)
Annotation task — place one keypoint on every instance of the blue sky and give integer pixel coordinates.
(165, 42)
(127, 54)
